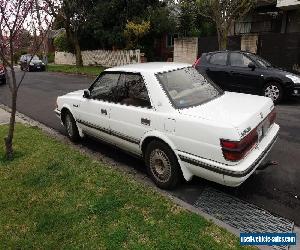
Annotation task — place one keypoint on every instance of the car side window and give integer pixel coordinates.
(104, 87)
(219, 59)
(132, 91)
(239, 60)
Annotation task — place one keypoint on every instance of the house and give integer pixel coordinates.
(49, 41)
(282, 16)
(291, 15)
(272, 30)
(164, 47)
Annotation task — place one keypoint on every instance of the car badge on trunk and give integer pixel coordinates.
(261, 115)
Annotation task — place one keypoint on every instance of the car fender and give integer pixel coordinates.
(156, 134)
(68, 107)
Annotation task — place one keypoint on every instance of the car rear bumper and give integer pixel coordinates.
(231, 175)
(58, 113)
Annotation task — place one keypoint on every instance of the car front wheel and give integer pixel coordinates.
(162, 165)
(274, 91)
(71, 127)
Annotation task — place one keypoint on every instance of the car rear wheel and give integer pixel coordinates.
(274, 91)
(162, 165)
(71, 127)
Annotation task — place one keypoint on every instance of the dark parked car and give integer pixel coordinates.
(31, 63)
(2, 75)
(245, 72)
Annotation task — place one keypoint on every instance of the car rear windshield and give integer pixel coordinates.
(187, 87)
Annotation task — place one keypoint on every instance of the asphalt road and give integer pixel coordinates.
(276, 189)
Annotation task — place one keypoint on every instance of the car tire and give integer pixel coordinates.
(274, 91)
(162, 165)
(71, 127)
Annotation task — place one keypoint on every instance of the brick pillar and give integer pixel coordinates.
(249, 43)
(186, 49)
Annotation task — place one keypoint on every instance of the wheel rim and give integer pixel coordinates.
(272, 92)
(160, 165)
(69, 125)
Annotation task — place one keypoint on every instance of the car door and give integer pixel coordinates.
(94, 111)
(217, 69)
(243, 78)
(131, 115)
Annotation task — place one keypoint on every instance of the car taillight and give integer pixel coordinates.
(1, 69)
(272, 117)
(198, 61)
(236, 150)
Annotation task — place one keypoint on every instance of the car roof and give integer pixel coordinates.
(153, 67)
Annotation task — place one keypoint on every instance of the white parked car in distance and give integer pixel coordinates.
(178, 121)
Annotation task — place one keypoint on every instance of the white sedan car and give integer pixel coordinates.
(178, 121)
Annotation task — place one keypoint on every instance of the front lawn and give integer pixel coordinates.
(71, 69)
(54, 197)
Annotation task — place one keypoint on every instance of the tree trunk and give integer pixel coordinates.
(73, 38)
(222, 39)
(10, 136)
(79, 62)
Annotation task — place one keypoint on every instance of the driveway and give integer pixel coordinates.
(277, 189)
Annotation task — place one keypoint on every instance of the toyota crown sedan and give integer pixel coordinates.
(178, 121)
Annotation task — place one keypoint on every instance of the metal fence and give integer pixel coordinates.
(282, 50)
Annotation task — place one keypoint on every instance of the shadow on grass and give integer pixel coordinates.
(6, 162)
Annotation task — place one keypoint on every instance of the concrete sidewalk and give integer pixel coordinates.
(5, 116)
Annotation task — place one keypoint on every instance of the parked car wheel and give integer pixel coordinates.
(71, 127)
(162, 165)
(274, 91)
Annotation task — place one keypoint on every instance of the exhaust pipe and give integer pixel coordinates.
(266, 165)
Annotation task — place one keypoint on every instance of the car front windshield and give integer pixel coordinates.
(187, 87)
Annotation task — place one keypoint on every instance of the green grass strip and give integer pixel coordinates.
(54, 197)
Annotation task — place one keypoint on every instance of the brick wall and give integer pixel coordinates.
(104, 58)
(186, 50)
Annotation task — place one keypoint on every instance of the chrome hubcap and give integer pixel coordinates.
(160, 165)
(272, 92)
(69, 125)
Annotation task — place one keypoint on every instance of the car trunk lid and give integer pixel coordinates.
(243, 112)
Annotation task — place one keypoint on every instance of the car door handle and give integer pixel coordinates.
(103, 111)
(145, 121)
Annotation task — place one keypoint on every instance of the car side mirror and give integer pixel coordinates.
(251, 65)
(86, 94)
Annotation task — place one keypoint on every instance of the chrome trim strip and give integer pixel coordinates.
(57, 112)
(110, 132)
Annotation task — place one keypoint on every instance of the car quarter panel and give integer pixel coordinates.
(201, 137)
